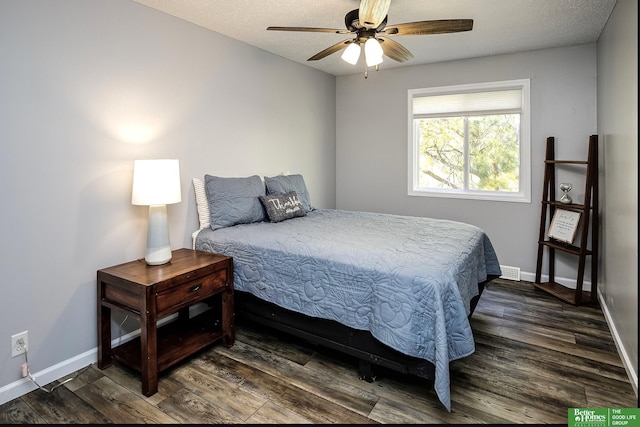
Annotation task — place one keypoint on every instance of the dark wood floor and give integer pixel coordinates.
(535, 358)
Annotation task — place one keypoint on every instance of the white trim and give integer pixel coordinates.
(25, 385)
(624, 355)
(471, 195)
(569, 283)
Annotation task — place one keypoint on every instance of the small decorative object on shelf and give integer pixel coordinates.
(564, 225)
(565, 187)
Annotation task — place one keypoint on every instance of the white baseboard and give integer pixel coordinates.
(25, 385)
(626, 361)
(569, 283)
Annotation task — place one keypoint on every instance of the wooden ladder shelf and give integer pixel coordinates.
(587, 224)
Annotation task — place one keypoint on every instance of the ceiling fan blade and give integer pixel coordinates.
(310, 30)
(331, 49)
(430, 27)
(394, 50)
(372, 12)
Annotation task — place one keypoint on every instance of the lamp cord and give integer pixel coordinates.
(26, 362)
(26, 359)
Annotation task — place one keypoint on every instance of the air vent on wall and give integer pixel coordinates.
(510, 273)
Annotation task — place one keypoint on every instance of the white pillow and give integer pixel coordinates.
(202, 204)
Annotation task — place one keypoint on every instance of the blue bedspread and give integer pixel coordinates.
(407, 280)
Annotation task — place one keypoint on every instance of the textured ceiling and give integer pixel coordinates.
(500, 26)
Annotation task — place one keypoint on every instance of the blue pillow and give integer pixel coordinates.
(283, 184)
(234, 200)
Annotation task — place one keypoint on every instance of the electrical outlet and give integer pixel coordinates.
(19, 343)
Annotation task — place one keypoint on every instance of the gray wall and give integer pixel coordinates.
(372, 141)
(618, 127)
(87, 87)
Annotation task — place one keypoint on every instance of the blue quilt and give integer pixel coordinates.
(407, 280)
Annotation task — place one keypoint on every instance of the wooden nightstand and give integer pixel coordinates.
(151, 292)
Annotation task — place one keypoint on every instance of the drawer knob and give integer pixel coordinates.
(195, 288)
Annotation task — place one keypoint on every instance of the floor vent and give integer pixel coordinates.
(510, 273)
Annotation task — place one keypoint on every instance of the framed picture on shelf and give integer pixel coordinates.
(564, 225)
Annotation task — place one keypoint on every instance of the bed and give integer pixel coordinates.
(391, 290)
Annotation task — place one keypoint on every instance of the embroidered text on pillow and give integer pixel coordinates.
(290, 203)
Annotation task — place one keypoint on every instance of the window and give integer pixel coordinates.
(471, 141)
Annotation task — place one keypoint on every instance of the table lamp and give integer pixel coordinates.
(156, 183)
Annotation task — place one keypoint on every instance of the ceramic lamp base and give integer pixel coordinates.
(158, 244)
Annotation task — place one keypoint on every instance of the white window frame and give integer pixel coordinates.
(524, 193)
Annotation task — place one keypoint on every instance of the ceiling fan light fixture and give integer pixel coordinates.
(373, 60)
(370, 20)
(351, 53)
(372, 48)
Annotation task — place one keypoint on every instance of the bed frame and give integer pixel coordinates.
(328, 333)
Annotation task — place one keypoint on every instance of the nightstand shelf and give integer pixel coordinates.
(195, 334)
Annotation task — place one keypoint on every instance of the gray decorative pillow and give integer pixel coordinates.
(234, 200)
(282, 206)
(282, 184)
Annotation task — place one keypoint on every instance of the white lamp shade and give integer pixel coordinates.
(156, 182)
(351, 53)
(373, 52)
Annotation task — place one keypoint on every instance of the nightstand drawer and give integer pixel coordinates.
(190, 292)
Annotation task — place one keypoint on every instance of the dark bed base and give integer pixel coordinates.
(327, 333)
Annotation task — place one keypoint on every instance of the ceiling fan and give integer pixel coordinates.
(369, 25)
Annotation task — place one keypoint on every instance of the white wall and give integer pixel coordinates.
(87, 87)
(618, 127)
(371, 169)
